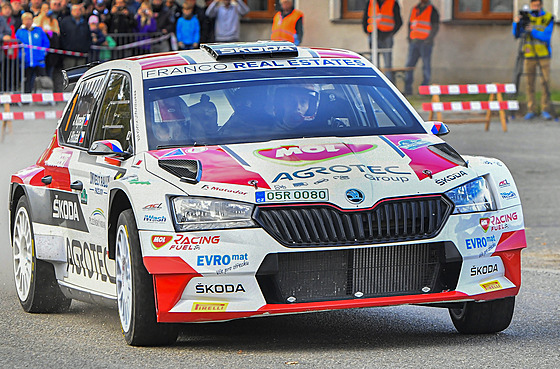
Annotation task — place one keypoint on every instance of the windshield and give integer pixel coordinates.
(263, 105)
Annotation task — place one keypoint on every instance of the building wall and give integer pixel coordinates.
(464, 52)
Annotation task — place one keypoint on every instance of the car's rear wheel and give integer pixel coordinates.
(483, 317)
(36, 284)
(135, 290)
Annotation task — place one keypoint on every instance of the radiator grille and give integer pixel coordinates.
(389, 221)
(345, 274)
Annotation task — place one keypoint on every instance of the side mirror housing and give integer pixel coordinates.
(438, 128)
(108, 147)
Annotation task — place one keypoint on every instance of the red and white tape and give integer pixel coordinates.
(471, 106)
(491, 88)
(48, 49)
(29, 98)
(31, 115)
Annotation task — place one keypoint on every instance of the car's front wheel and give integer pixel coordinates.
(135, 290)
(483, 317)
(36, 284)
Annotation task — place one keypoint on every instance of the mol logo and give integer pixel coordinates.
(485, 224)
(308, 154)
(159, 241)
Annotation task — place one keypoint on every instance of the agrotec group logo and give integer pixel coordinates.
(309, 154)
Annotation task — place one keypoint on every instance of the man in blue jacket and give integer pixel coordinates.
(30, 34)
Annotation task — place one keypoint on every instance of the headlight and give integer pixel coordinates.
(196, 213)
(472, 197)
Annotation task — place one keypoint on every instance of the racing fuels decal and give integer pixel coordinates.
(291, 196)
(209, 307)
(305, 155)
(183, 241)
(371, 170)
(497, 223)
(66, 211)
(89, 260)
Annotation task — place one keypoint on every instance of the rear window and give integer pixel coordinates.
(263, 105)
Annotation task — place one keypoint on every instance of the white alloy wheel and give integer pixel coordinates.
(124, 278)
(22, 251)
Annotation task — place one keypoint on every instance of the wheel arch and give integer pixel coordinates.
(118, 202)
(17, 190)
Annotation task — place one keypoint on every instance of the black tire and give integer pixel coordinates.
(483, 317)
(36, 284)
(135, 291)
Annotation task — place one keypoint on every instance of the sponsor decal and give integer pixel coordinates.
(310, 154)
(159, 241)
(209, 307)
(492, 162)
(508, 195)
(97, 218)
(254, 49)
(66, 211)
(340, 178)
(83, 197)
(450, 178)
(322, 180)
(491, 286)
(483, 270)
(355, 196)
(89, 260)
(59, 159)
(151, 207)
(137, 164)
(222, 189)
(336, 170)
(99, 182)
(216, 260)
(280, 187)
(154, 219)
(300, 184)
(386, 178)
(291, 195)
(413, 144)
(481, 242)
(136, 181)
(188, 242)
(219, 288)
(503, 183)
(497, 223)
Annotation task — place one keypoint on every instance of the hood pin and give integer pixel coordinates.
(254, 183)
(428, 173)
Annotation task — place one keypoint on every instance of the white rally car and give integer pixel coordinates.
(244, 180)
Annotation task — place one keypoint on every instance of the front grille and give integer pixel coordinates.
(353, 273)
(184, 169)
(392, 220)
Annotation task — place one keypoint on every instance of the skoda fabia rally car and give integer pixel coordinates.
(244, 180)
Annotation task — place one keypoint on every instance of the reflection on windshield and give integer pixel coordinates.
(270, 109)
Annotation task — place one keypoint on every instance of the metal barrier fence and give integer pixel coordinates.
(12, 68)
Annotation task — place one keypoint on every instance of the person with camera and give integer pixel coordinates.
(228, 14)
(121, 20)
(535, 26)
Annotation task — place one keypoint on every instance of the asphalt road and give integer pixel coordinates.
(410, 336)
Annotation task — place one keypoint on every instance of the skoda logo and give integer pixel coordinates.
(355, 196)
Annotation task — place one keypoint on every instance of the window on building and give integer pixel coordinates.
(262, 9)
(483, 9)
(353, 9)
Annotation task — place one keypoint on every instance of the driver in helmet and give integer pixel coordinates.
(296, 105)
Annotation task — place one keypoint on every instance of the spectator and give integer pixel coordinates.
(35, 7)
(105, 54)
(389, 21)
(165, 24)
(97, 37)
(145, 24)
(49, 24)
(287, 24)
(122, 21)
(134, 5)
(175, 10)
(423, 26)
(100, 9)
(17, 11)
(75, 36)
(188, 28)
(34, 63)
(227, 14)
(59, 9)
(206, 23)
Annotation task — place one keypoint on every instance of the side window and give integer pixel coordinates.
(76, 123)
(115, 113)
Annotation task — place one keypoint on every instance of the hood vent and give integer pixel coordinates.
(447, 152)
(188, 170)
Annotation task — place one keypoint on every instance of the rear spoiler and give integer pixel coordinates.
(72, 75)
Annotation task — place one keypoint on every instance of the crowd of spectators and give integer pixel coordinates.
(77, 25)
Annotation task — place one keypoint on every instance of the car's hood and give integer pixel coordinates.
(378, 167)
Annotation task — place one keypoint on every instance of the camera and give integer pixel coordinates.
(524, 17)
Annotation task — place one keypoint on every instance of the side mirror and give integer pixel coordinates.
(438, 128)
(108, 147)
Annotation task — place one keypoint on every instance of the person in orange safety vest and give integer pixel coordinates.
(287, 24)
(423, 26)
(389, 21)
